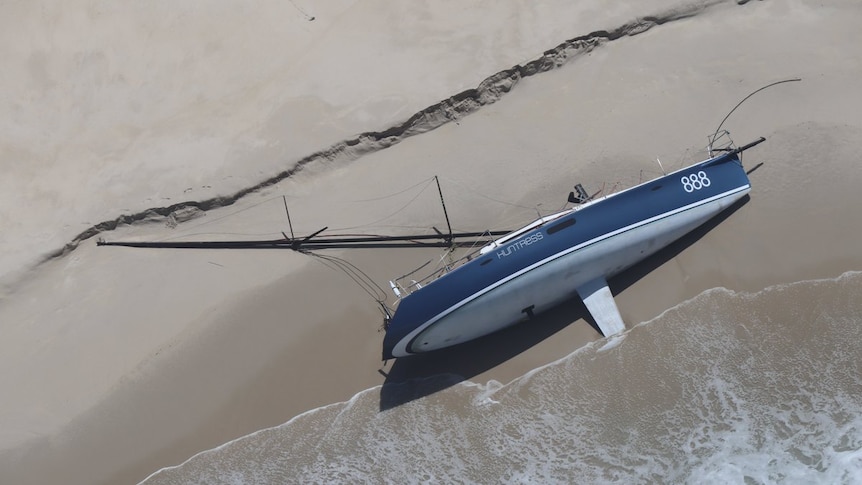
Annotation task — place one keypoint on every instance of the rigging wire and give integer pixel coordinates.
(354, 273)
(211, 221)
(226, 233)
(424, 184)
(505, 222)
(270, 199)
(426, 181)
(401, 209)
(412, 272)
(476, 192)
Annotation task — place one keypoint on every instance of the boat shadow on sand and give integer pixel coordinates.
(417, 376)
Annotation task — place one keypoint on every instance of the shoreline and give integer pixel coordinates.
(124, 361)
(651, 286)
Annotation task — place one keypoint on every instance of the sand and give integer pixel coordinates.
(117, 362)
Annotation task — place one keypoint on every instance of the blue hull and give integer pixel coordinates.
(546, 264)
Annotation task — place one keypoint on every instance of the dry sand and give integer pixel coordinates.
(117, 362)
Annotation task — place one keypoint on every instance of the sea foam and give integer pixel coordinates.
(727, 387)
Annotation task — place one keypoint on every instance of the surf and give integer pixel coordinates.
(760, 387)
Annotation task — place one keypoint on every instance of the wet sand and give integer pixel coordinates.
(124, 361)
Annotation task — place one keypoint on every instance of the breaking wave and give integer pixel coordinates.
(727, 387)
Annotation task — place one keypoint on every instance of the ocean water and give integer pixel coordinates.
(725, 388)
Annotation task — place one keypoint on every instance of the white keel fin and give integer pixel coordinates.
(600, 302)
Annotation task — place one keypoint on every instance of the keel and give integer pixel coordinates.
(600, 303)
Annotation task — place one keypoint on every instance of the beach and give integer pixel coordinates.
(207, 120)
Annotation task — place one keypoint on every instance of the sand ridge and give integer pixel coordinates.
(490, 90)
(220, 343)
